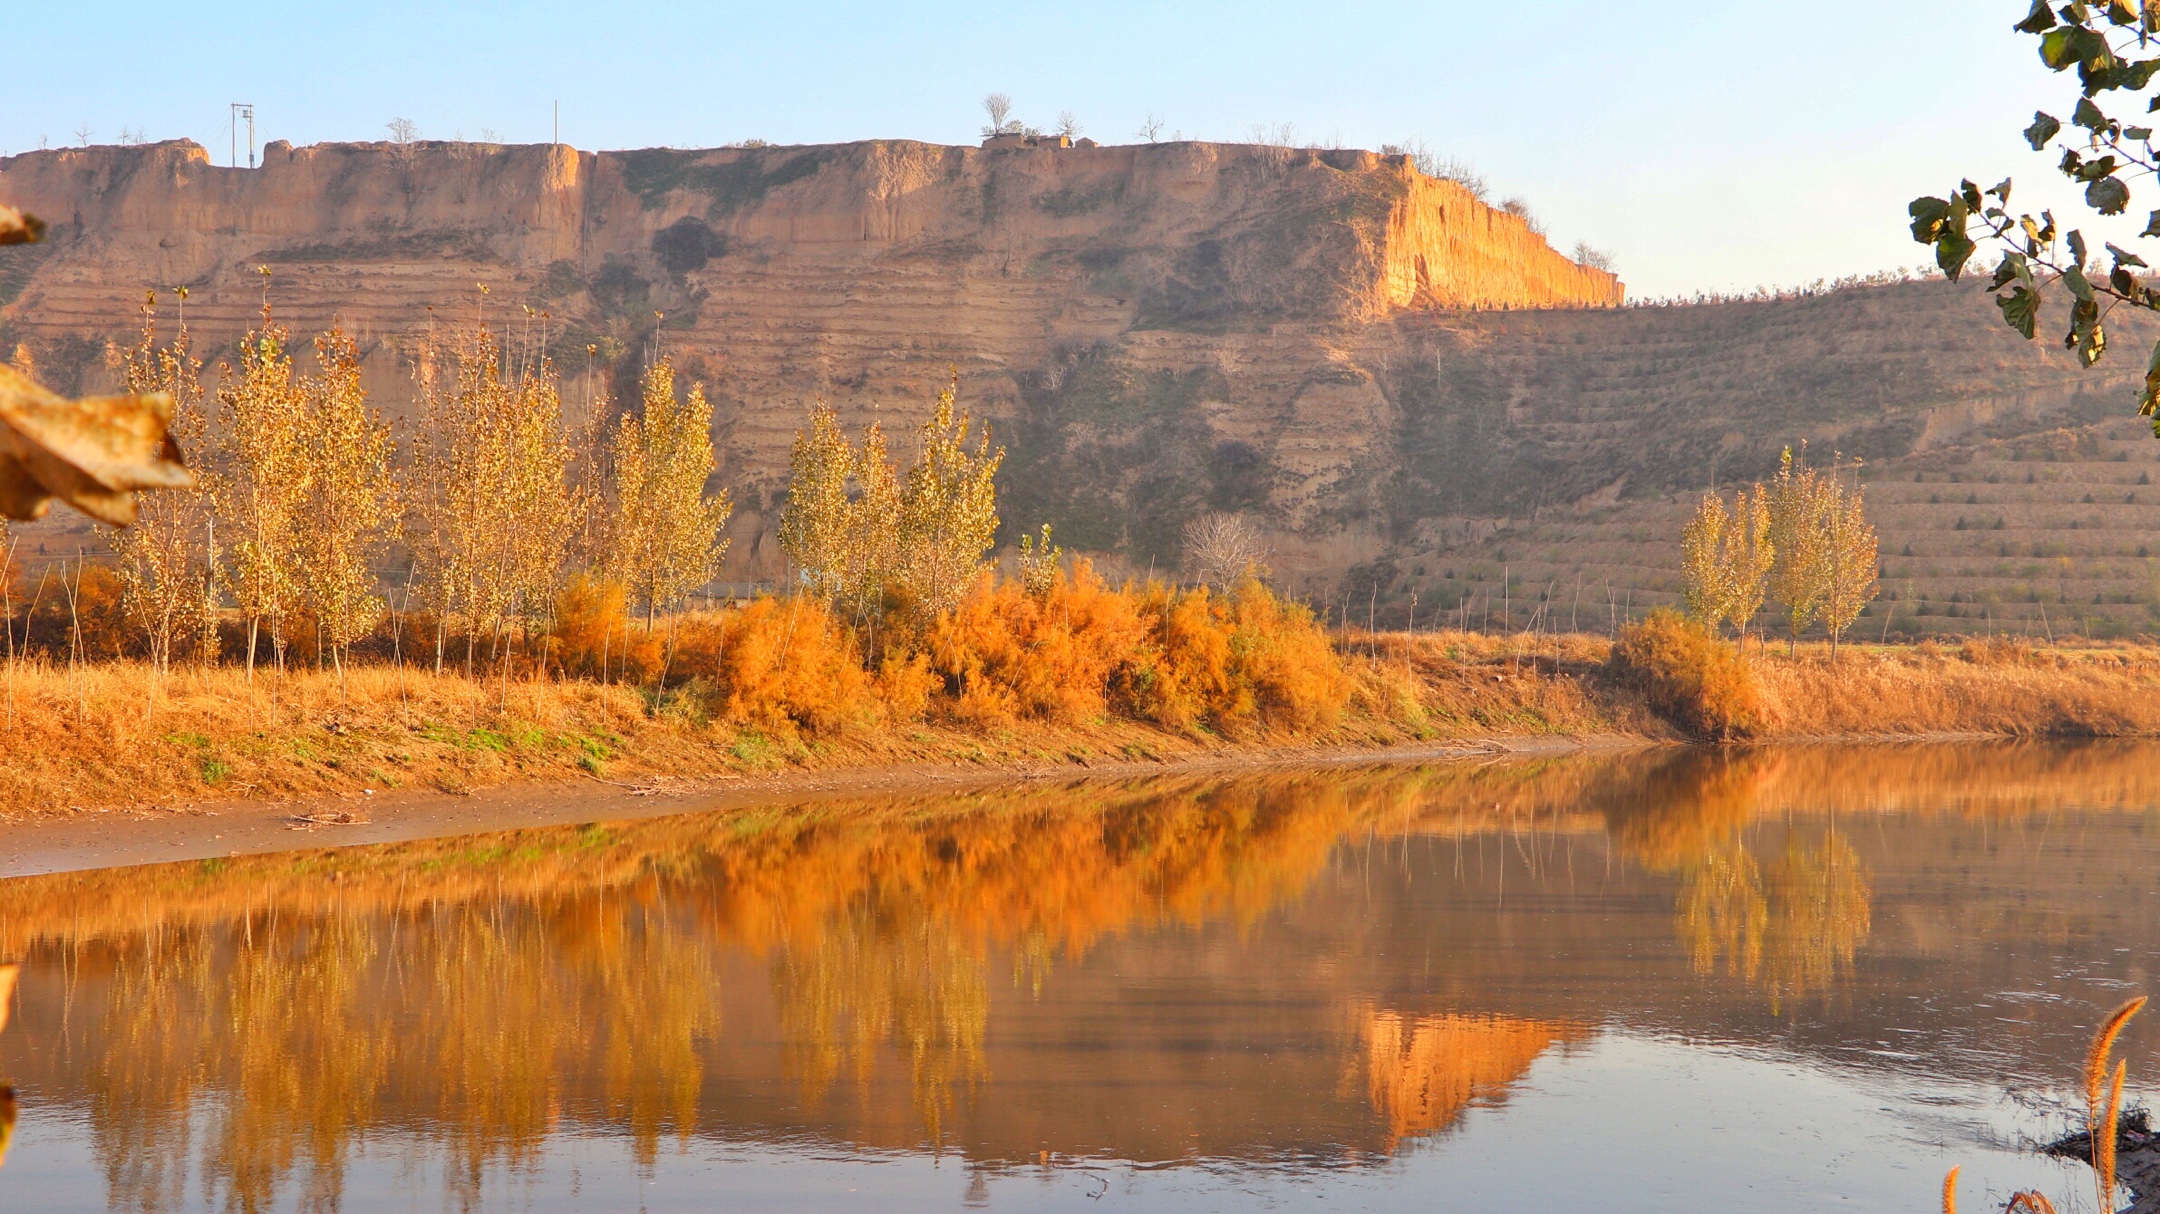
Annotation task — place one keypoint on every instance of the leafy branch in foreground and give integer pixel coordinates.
(2105, 155)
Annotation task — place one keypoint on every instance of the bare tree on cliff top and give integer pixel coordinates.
(2111, 45)
(999, 107)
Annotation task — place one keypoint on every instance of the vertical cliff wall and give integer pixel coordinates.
(1079, 292)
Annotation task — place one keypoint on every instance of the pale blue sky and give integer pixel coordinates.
(1708, 146)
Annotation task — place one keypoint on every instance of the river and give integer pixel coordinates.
(1760, 980)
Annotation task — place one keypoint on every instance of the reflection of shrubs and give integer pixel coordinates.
(1693, 679)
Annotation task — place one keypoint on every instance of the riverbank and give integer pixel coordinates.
(86, 744)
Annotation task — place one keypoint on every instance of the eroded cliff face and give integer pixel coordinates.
(1373, 363)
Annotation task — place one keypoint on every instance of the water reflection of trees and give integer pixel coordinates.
(263, 1017)
(280, 1043)
(1791, 927)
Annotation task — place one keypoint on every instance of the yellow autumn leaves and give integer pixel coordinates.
(858, 529)
(1802, 541)
(307, 498)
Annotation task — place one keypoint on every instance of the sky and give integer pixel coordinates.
(1706, 147)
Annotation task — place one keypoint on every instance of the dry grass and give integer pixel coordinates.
(2000, 688)
(1691, 677)
(1078, 674)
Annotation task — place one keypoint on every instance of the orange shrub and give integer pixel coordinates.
(1697, 681)
(1005, 653)
(1241, 661)
(593, 633)
(780, 664)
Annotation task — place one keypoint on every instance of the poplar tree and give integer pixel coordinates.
(348, 496)
(948, 508)
(494, 512)
(260, 413)
(168, 559)
(1799, 575)
(857, 526)
(1726, 559)
(1702, 576)
(1746, 557)
(816, 523)
(665, 538)
(1852, 565)
(841, 523)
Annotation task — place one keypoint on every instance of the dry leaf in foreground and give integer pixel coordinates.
(18, 228)
(94, 453)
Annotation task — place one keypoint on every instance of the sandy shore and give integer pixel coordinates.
(112, 838)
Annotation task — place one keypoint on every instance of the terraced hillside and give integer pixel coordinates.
(1553, 451)
(1410, 391)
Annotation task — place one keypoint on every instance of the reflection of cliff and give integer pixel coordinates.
(260, 1018)
(1423, 1072)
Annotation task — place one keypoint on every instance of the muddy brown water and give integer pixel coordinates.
(1781, 979)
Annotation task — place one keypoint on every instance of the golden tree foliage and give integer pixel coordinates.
(1799, 574)
(1746, 557)
(1852, 561)
(260, 412)
(948, 508)
(857, 527)
(494, 510)
(664, 541)
(1039, 563)
(841, 522)
(1703, 581)
(168, 559)
(1725, 558)
(347, 499)
(1802, 540)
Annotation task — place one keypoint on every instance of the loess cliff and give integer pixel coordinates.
(1411, 390)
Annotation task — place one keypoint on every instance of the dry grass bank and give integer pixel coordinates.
(1997, 687)
(757, 691)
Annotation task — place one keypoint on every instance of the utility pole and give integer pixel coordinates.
(240, 110)
(558, 122)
